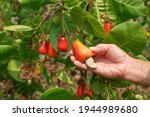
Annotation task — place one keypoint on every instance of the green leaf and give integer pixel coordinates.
(4, 40)
(17, 28)
(127, 9)
(87, 98)
(87, 22)
(23, 87)
(96, 97)
(36, 4)
(120, 83)
(129, 95)
(17, 42)
(83, 4)
(63, 76)
(46, 74)
(14, 69)
(68, 63)
(57, 18)
(70, 3)
(102, 7)
(37, 87)
(54, 35)
(141, 57)
(69, 23)
(26, 52)
(7, 51)
(3, 67)
(130, 36)
(98, 87)
(56, 94)
(1, 78)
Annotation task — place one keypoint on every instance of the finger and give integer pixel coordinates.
(72, 58)
(100, 49)
(71, 52)
(80, 65)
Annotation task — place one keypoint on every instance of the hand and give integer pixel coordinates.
(111, 61)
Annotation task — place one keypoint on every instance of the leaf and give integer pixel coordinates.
(23, 87)
(96, 97)
(3, 67)
(103, 6)
(98, 87)
(14, 69)
(26, 52)
(87, 98)
(141, 57)
(54, 35)
(17, 42)
(130, 36)
(68, 63)
(127, 9)
(7, 51)
(128, 95)
(63, 76)
(120, 83)
(69, 23)
(4, 40)
(17, 28)
(46, 74)
(113, 94)
(36, 4)
(57, 18)
(83, 4)
(56, 94)
(70, 3)
(1, 78)
(87, 22)
(37, 87)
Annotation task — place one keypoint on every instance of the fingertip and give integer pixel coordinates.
(71, 52)
(93, 49)
(72, 58)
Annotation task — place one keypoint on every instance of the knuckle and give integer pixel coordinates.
(113, 45)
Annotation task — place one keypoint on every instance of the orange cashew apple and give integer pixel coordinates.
(83, 54)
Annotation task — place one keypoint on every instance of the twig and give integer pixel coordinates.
(40, 24)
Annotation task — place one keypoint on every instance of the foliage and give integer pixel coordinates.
(24, 24)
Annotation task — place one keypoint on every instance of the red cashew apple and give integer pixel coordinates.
(80, 90)
(62, 44)
(89, 91)
(51, 51)
(107, 26)
(43, 48)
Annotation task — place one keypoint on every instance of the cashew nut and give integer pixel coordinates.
(90, 63)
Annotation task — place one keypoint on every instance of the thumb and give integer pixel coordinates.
(100, 49)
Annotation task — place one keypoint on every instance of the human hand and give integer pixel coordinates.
(111, 61)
